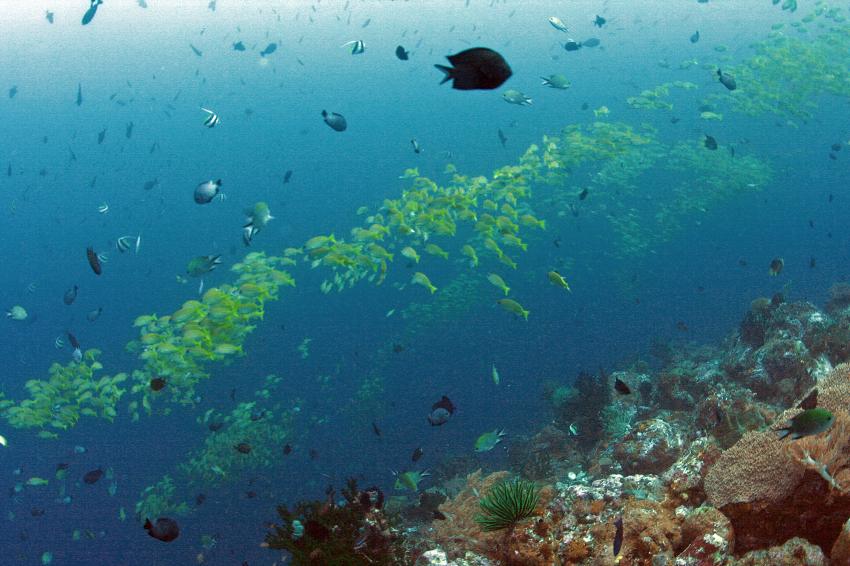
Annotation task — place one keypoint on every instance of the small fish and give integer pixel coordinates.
(201, 265)
(287, 176)
(416, 147)
(94, 315)
(207, 191)
(409, 480)
(79, 94)
(572, 45)
(559, 82)
(13, 91)
(103, 208)
(695, 37)
(212, 119)
(122, 244)
(138, 244)
(243, 448)
(128, 132)
(621, 387)
(503, 139)
(89, 15)
(514, 307)
(366, 23)
(58, 343)
(93, 476)
(17, 312)
(812, 262)
(376, 430)
(336, 121)
(556, 278)
(599, 21)
(239, 46)
(94, 261)
(776, 266)
(417, 454)
(70, 295)
(215, 426)
(810, 401)
(195, 50)
(441, 412)
(489, 440)
(558, 24)
(591, 42)
(573, 429)
(157, 384)
(270, 48)
(495, 375)
(101, 136)
(479, 68)
(618, 536)
(200, 499)
(727, 80)
(287, 449)
(807, 423)
(164, 529)
(710, 143)
(401, 53)
(48, 15)
(356, 46)
(513, 96)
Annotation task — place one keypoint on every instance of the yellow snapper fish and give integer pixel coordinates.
(489, 440)
(557, 279)
(511, 305)
(17, 312)
(410, 254)
(420, 278)
(469, 252)
(497, 281)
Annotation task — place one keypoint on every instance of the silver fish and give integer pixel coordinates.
(356, 46)
(212, 119)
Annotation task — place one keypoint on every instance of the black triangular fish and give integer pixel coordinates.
(621, 387)
(810, 401)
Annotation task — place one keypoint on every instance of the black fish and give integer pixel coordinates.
(398, 348)
(287, 449)
(335, 121)
(101, 136)
(812, 262)
(49, 15)
(810, 401)
(200, 498)
(599, 21)
(417, 454)
(89, 15)
(13, 91)
(157, 383)
(618, 535)
(70, 295)
(503, 139)
(93, 476)
(441, 412)
(313, 453)
(94, 261)
(239, 46)
(727, 80)
(73, 340)
(215, 426)
(836, 147)
(401, 53)
(376, 430)
(695, 37)
(438, 515)
(478, 68)
(287, 176)
(710, 142)
(243, 448)
(196, 51)
(833, 156)
(270, 48)
(79, 94)
(621, 387)
(583, 194)
(128, 133)
(572, 45)
(150, 184)
(591, 42)
(165, 529)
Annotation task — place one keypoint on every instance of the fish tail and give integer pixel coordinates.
(448, 71)
(783, 432)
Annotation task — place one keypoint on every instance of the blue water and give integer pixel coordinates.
(270, 123)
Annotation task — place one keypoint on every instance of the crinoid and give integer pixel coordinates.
(508, 503)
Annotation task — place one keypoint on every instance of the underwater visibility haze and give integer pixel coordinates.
(491, 282)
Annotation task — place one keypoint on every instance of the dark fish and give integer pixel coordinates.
(89, 15)
(287, 176)
(618, 535)
(810, 401)
(142, 3)
(335, 121)
(585, 106)
(200, 498)
(101, 136)
(251, 494)
(681, 326)
(376, 430)
(503, 139)
(49, 15)
(366, 23)
(79, 94)
(195, 50)
(128, 133)
(70, 295)
(776, 265)
(695, 37)
(36, 512)
(441, 412)
(150, 184)
(807, 423)
(287, 449)
(727, 80)
(836, 147)
(438, 515)
(239, 46)
(243, 448)
(599, 21)
(165, 529)
(591, 42)
(93, 476)
(572, 45)
(829, 199)
(833, 156)
(398, 348)
(73, 340)
(621, 387)
(812, 262)
(314, 454)
(215, 426)
(270, 48)
(478, 68)
(157, 383)
(710, 142)
(13, 91)
(417, 454)
(94, 261)
(674, 120)
(92, 316)
(205, 192)
(211, 5)
(583, 194)
(401, 53)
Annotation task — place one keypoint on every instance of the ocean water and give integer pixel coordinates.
(136, 65)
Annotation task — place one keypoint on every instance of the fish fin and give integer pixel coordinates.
(448, 71)
(783, 432)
